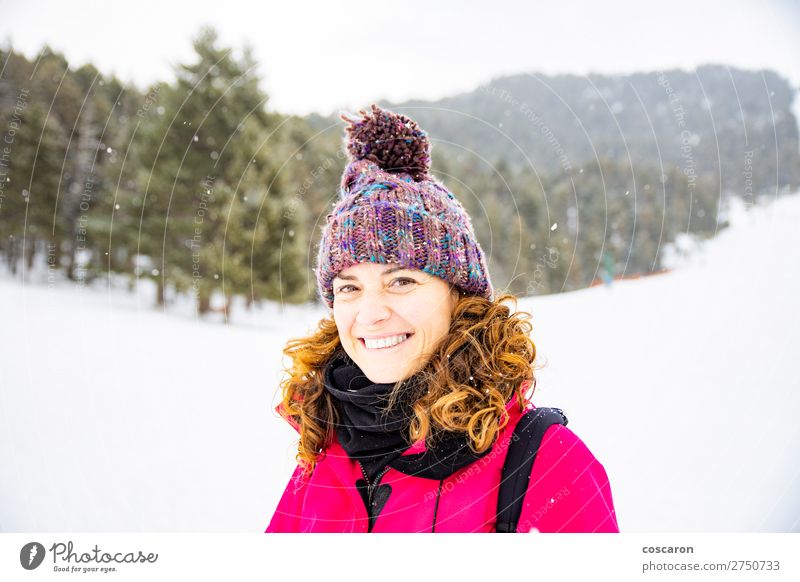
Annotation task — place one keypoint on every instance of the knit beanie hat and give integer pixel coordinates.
(391, 210)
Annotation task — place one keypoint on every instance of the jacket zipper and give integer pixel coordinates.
(436, 509)
(370, 487)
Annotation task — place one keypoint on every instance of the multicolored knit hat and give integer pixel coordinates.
(391, 210)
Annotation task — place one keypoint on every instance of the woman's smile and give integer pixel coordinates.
(386, 343)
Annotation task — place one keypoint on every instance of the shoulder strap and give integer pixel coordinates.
(524, 445)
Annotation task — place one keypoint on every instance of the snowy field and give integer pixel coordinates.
(119, 417)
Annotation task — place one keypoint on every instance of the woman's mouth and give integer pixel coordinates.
(385, 343)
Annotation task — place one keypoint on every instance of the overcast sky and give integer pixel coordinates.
(322, 56)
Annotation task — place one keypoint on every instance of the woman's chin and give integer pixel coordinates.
(384, 374)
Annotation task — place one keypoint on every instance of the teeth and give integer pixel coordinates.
(386, 342)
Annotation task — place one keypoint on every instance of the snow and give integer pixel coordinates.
(120, 417)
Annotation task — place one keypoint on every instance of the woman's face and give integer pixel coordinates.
(390, 319)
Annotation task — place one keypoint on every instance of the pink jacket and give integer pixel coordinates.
(569, 492)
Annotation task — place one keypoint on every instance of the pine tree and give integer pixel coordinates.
(202, 160)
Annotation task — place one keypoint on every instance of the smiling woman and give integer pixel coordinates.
(390, 319)
(412, 400)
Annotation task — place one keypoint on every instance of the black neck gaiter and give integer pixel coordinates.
(376, 436)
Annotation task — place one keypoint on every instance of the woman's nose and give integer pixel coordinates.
(372, 310)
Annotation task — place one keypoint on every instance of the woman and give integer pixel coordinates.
(407, 399)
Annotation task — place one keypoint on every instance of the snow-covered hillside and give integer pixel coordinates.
(118, 417)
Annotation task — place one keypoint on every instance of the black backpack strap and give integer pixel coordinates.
(524, 445)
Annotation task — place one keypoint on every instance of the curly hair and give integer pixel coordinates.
(477, 367)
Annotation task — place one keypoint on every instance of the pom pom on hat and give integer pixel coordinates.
(391, 140)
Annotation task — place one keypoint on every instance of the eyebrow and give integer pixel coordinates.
(388, 271)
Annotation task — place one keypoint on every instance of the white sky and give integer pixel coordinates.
(321, 56)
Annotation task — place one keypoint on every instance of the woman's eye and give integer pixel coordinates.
(340, 289)
(404, 279)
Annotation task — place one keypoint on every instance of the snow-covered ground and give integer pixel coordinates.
(118, 417)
